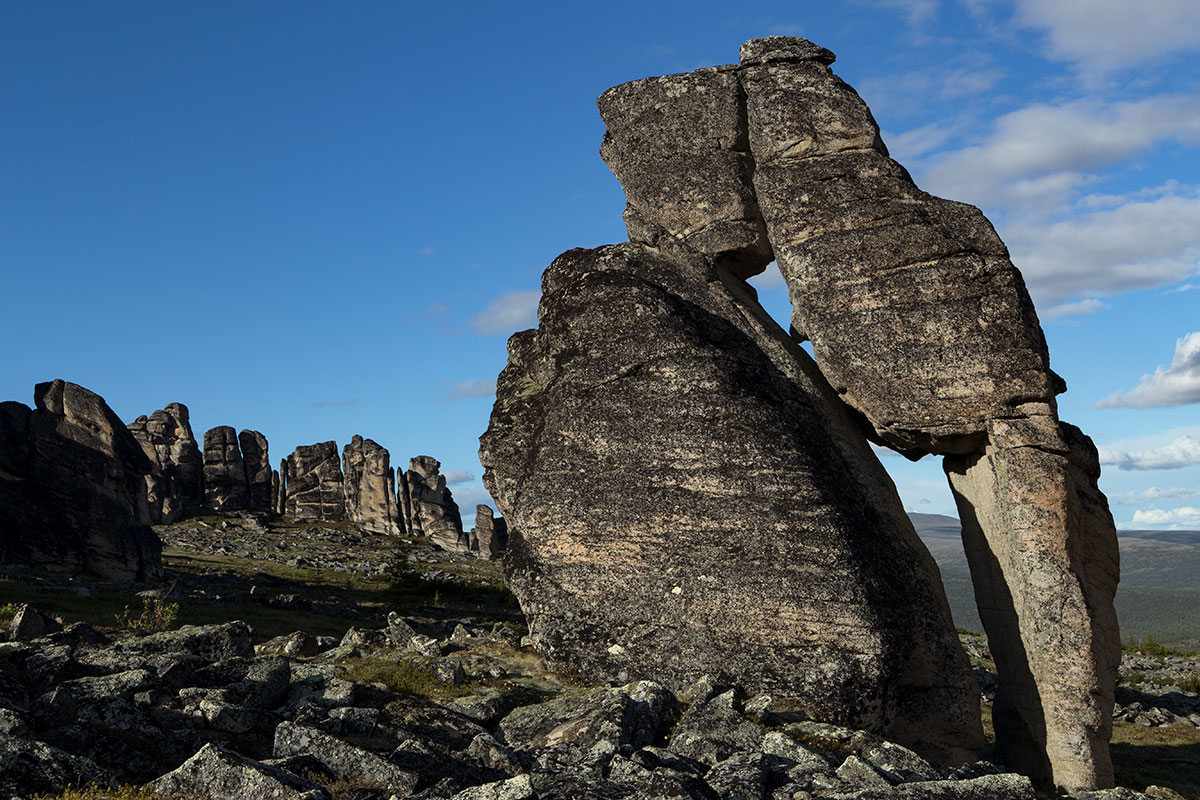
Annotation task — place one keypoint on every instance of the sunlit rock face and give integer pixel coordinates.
(923, 334)
(225, 486)
(314, 483)
(73, 487)
(175, 484)
(370, 487)
(686, 495)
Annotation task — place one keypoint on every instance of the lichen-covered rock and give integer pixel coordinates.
(30, 768)
(343, 760)
(315, 483)
(256, 460)
(370, 487)
(659, 423)
(29, 623)
(176, 482)
(225, 486)
(432, 512)
(490, 535)
(216, 773)
(73, 488)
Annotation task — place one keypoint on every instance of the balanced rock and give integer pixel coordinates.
(73, 487)
(175, 484)
(224, 473)
(315, 483)
(432, 511)
(922, 324)
(660, 424)
(370, 487)
(256, 461)
(490, 534)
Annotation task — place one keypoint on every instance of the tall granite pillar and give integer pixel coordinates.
(176, 482)
(257, 463)
(225, 486)
(370, 487)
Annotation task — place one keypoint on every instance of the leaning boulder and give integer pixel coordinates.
(225, 486)
(73, 487)
(659, 423)
(370, 487)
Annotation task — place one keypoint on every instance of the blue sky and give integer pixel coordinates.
(320, 219)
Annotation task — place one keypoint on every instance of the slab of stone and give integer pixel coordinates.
(217, 773)
(315, 488)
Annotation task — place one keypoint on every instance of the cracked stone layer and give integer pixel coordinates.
(686, 496)
(256, 459)
(370, 487)
(314, 483)
(176, 481)
(225, 486)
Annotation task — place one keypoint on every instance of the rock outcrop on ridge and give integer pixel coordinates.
(315, 483)
(490, 535)
(370, 487)
(431, 510)
(660, 424)
(73, 487)
(919, 322)
(175, 484)
(225, 486)
(256, 460)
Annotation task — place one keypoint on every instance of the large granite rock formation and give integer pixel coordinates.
(686, 495)
(256, 461)
(73, 487)
(281, 489)
(175, 484)
(923, 324)
(225, 486)
(918, 320)
(315, 483)
(490, 535)
(432, 512)
(370, 487)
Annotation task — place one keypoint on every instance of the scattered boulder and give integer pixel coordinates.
(73, 488)
(433, 514)
(225, 487)
(490, 535)
(216, 773)
(257, 462)
(804, 581)
(315, 483)
(343, 760)
(30, 767)
(370, 487)
(176, 483)
(29, 623)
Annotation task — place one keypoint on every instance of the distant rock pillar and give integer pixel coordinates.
(490, 534)
(257, 462)
(370, 487)
(433, 512)
(224, 473)
(315, 483)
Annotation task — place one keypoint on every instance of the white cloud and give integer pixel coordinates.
(1187, 287)
(1155, 493)
(1076, 309)
(905, 147)
(471, 388)
(426, 251)
(1053, 145)
(918, 12)
(1182, 452)
(467, 498)
(1099, 36)
(1176, 516)
(1141, 244)
(1176, 385)
(454, 476)
(511, 312)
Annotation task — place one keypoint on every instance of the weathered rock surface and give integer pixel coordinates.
(432, 512)
(225, 487)
(72, 487)
(176, 482)
(315, 483)
(370, 487)
(661, 424)
(281, 489)
(490, 535)
(257, 463)
(219, 774)
(922, 323)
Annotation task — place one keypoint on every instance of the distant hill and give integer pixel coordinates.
(1160, 580)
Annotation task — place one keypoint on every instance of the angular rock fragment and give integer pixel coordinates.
(490, 534)
(315, 483)
(257, 462)
(659, 423)
(216, 773)
(225, 486)
(343, 760)
(29, 768)
(176, 483)
(433, 514)
(73, 487)
(370, 487)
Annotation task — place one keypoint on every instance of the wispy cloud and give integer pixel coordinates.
(1182, 452)
(1155, 493)
(1076, 309)
(918, 12)
(1176, 385)
(456, 476)
(1099, 36)
(354, 401)
(511, 312)
(471, 388)
(426, 251)
(1177, 517)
